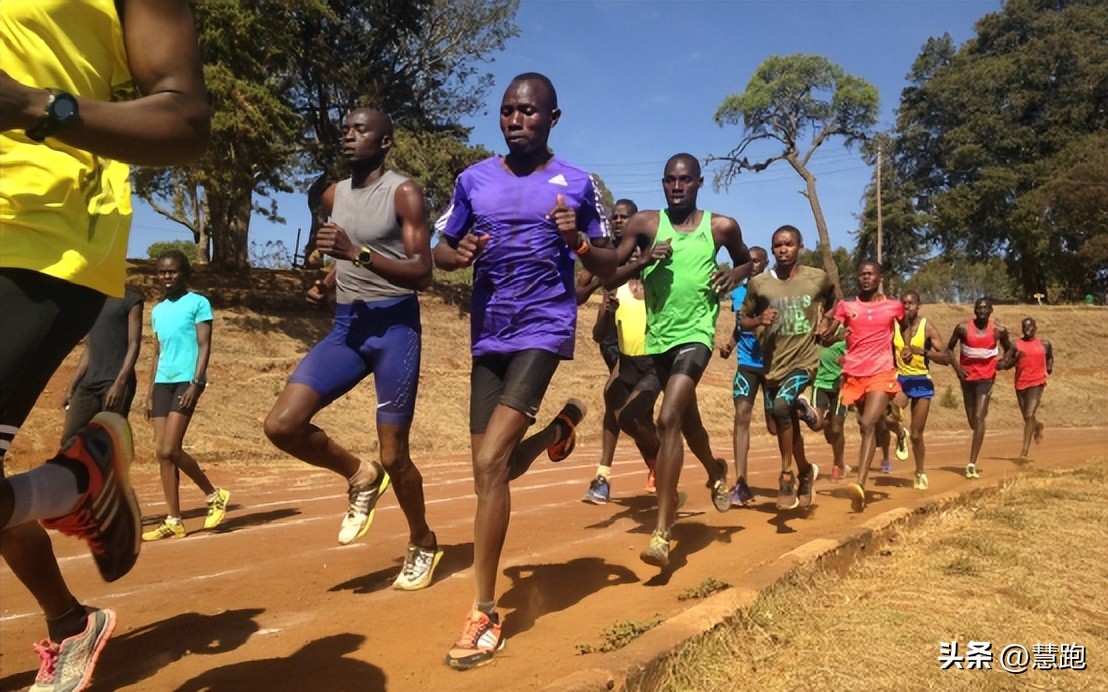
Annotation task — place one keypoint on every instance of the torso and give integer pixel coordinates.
(368, 215)
(979, 353)
(869, 341)
(681, 307)
(1031, 366)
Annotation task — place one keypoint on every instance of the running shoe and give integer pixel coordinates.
(920, 482)
(599, 491)
(570, 415)
(837, 473)
(657, 553)
(478, 643)
(807, 412)
(217, 508)
(108, 515)
(166, 529)
(886, 466)
(69, 665)
(806, 480)
(741, 495)
(419, 567)
(902, 444)
(857, 497)
(650, 485)
(972, 472)
(721, 493)
(786, 495)
(363, 504)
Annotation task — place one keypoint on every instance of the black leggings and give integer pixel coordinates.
(43, 318)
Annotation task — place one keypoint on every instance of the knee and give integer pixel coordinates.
(489, 473)
(781, 412)
(668, 422)
(167, 455)
(280, 429)
(916, 436)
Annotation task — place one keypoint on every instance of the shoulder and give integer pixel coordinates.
(559, 165)
(479, 170)
(722, 222)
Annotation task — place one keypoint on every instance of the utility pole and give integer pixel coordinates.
(880, 238)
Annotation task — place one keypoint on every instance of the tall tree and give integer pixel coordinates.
(796, 103)
(990, 134)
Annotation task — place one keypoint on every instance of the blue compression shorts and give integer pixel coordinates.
(383, 338)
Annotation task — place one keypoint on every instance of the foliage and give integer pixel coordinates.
(282, 73)
(704, 589)
(959, 279)
(154, 250)
(273, 254)
(844, 264)
(1001, 143)
(795, 103)
(620, 635)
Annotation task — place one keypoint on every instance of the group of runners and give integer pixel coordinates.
(522, 222)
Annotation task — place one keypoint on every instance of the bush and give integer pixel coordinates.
(948, 400)
(191, 249)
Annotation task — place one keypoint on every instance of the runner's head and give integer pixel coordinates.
(681, 181)
(528, 111)
(786, 244)
(366, 136)
(173, 270)
(758, 260)
(869, 277)
(1028, 328)
(622, 210)
(911, 302)
(982, 309)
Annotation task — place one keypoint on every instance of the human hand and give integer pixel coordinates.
(657, 252)
(470, 247)
(332, 240)
(114, 396)
(14, 99)
(768, 316)
(565, 218)
(317, 292)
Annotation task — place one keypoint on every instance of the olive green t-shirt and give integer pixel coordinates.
(790, 342)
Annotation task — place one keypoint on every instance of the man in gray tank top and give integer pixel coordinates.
(379, 235)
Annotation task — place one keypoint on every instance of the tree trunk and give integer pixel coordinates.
(829, 265)
(229, 219)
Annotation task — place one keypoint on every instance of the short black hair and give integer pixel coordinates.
(693, 162)
(911, 292)
(760, 249)
(181, 258)
(791, 229)
(539, 77)
(626, 203)
(876, 265)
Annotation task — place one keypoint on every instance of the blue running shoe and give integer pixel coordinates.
(599, 491)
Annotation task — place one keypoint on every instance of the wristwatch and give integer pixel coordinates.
(364, 257)
(61, 110)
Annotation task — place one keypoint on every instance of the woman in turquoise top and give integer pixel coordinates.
(183, 324)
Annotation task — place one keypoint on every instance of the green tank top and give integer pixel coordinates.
(681, 307)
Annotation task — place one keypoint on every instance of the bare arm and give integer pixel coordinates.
(956, 337)
(727, 235)
(639, 231)
(1049, 357)
(127, 369)
(149, 409)
(169, 124)
(82, 368)
(585, 285)
(199, 379)
(942, 356)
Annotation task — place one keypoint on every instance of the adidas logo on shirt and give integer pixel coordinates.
(559, 180)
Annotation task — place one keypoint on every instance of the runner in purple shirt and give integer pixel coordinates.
(518, 220)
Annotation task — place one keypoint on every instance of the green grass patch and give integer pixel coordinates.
(620, 635)
(704, 589)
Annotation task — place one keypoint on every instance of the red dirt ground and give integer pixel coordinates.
(270, 601)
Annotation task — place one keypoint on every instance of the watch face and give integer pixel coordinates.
(364, 256)
(64, 108)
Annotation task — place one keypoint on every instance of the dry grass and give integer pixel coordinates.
(255, 350)
(1026, 566)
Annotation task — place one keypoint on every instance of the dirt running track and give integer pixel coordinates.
(270, 601)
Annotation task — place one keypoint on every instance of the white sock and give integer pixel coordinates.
(604, 472)
(47, 492)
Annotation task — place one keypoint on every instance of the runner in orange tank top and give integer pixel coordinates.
(980, 339)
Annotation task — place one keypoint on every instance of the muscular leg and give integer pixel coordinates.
(680, 393)
(695, 434)
(289, 426)
(407, 481)
(636, 418)
(833, 434)
(1029, 405)
(173, 459)
(920, 410)
(615, 396)
(980, 413)
(744, 411)
(491, 453)
(870, 420)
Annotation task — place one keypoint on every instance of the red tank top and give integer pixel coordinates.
(1031, 366)
(979, 353)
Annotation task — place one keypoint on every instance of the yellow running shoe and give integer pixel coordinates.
(164, 530)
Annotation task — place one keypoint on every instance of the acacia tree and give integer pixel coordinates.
(1003, 139)
(797, 102)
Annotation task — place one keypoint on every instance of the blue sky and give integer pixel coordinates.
(639, 81)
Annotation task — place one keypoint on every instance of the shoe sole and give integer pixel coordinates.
(654, 559)
(560, 451)
(721, 494)
(811, 489)
(123, 447)
(590, 499)
(857, 498)
(903, 456)
(425, 582)
(372, 511)
(470, 663)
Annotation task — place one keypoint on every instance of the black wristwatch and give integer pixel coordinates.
(61, 110)
(364, 257)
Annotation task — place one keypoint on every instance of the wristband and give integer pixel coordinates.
(583, 248)
(200, 383)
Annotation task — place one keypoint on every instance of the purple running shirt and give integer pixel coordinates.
(523, 293)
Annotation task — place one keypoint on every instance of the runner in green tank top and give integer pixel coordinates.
(683, 285)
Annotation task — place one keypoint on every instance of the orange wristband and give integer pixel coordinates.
(584, 247)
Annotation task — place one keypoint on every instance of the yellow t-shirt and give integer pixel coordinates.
(915, 366)
(63, 211)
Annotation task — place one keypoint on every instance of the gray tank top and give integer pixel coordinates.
(368, 215)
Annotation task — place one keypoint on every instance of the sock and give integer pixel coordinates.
(47, 492)
(486, 607)
(604, 472)
(362, 477)
(68, 625)
(172, 520)
(213, 497)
